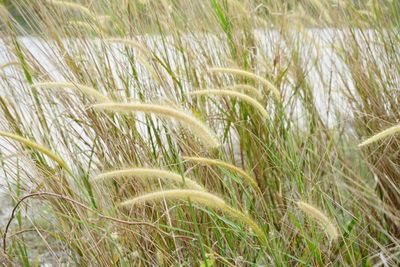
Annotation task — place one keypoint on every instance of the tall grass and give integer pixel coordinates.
(301, 85)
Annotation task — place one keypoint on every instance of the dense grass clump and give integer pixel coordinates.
(200, 133)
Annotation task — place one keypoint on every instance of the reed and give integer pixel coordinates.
(216, 162)
(148, 173)
(250, 75)
(200, 197)
(201, 131)
(85, 89)
(241, 96)
(390, 131)
(323, 220)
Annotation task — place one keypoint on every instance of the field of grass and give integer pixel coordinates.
(200, 133)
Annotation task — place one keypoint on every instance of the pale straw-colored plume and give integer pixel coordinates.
(230, 93)
(129, 42)
(4, 14)
(85, 89)
(9, 64)
(198, 128)
(323, 220)
(38, 147)
(200, 197)
(380, 135)
(85, 25)
(148, 173)
(216, 162)
(74, 6)
(250, 75)
(248, 89)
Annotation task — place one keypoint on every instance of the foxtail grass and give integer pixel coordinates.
(390, 131)
(319, 216)
(230, 93)
(251, 90)
(86, 89)
(200, 197)
(128, 42)
(73, 6)
(250, 75)
(228, 166)
(9, 64)
(85, 25)
(199, 129)
(148, 173)
(38, 147)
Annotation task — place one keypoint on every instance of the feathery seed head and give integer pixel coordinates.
(241, 96)
(204, 134)
(318, 215)
(250, 75)
(148, 173)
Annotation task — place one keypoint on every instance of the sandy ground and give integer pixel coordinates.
(39, 252)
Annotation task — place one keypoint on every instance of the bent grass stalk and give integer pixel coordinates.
(148, 173)
(86, 89)
(38, 147)
(243, 97)
(201, 131)
(380, 135)
(247, 88)
(228, 166)
(200, 197)
(250, 75)
(323, 220)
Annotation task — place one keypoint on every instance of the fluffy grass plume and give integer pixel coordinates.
(148, 173)
(251, 90)
(199, 197)
(86, 89)
(228, 166)
(73, 6)
(380, 135)
(204, 134)
(38, 147)
(84, 25)
(243, 97)
(128, 42)
(9, 64)
(250, 75)
(318, 215)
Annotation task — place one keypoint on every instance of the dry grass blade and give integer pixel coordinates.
(200, 197)
(380, 135)
(228, 166)
(318, 215)
(204, 134)
(86, 89)
(148, 173)
(250, 75)
(38, 147)
(243, 97)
